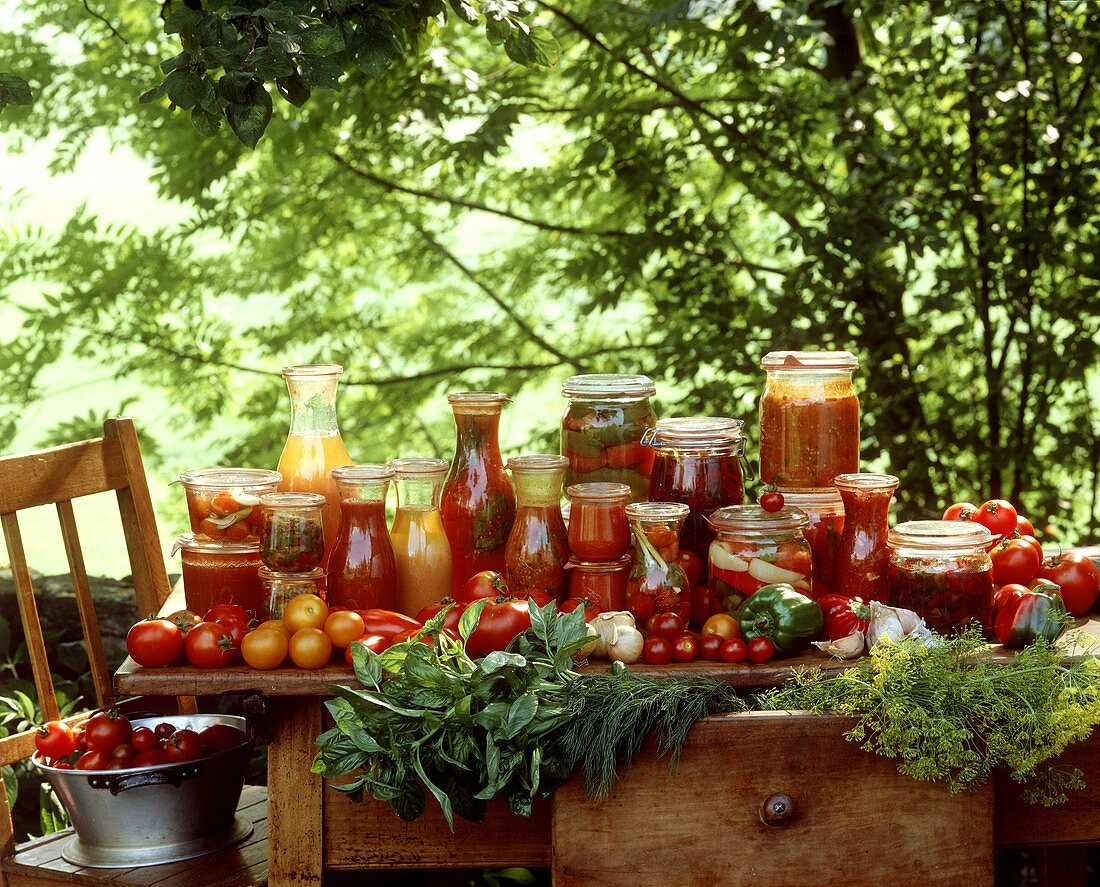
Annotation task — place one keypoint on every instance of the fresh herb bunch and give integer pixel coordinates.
(432, 718)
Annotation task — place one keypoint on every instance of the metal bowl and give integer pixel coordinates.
(155, 815)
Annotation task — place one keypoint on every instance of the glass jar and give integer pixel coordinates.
(809, 418)
(362, 569)
(278, 588)
(220, 572)
(598, 529)
(314, 446)
(601, 431)
(604, 584)
(863, 555)
(478, 504)
(941, 570)
(697, 461)
(292, 539)
(656, 572)
(538, 546)
(824, 510)
(223, 503)
(419, 540)
(755, 548)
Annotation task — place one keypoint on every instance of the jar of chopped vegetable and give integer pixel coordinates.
(292, 539)
(656, 572)
(824, 525)
(281, 587)
(601, 431)
(942, 571)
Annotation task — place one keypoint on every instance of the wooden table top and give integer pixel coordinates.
(289, 680)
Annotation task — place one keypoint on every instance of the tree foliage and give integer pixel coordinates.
(692, 185)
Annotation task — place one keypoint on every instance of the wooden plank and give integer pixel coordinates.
(89, 623)
(294, 808)
(369, 835)
(852, 814)
(28, 614)
(65, 472)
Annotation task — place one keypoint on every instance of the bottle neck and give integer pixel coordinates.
(476, 438)
(361, 492)
(539, 489)
(419, 491)
(313, 404)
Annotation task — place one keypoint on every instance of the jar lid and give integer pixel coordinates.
(600, 567)
(188, 542)
(417, 466)
(755, 518)
(657, 511)
(809, 360)
(314, 370)
(537, 462)
(694, 433)
(476, 398)
(357, 474)
(292, 500)
(229, 478)
(939, 535)
(866, 483)
(309, 576)
(608, 385)
(812, 498)
(598, 490)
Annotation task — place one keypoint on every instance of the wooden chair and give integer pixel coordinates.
(57, 476)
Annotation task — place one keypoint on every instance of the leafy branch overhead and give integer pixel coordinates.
(14, 91)
(229, 56)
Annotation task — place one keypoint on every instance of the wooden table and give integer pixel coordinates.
(848, 803)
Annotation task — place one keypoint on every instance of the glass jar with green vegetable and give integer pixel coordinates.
(656, 572)
(292, 537)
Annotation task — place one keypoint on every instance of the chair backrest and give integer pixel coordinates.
(57, 476)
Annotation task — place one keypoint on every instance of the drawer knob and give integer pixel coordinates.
(776, 810)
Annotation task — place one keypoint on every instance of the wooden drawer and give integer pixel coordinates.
(855, 819)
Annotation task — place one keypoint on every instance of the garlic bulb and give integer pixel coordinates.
(843, 648)
(625, 645)
(590, 646)
(894, 623)
(606, 624)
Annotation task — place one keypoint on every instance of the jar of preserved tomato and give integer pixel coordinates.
(942, 571)
(292, 538)
(278, 588)
(598, 529)
(220, 572)
(697, 461)
(824, 510)
(601, 431)
(755, 548)
(224, 503)
(656, 570)
(604, 584)
(809, 418)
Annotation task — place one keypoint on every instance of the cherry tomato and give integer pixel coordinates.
(998, 515)
(662, 535)
(221, 737)
(265, 648)
(310, 648)
(124, 752)
(233, 611)
(691, 564)
(237, 628)
(276, 625)
(591, 611)
(710, 647)
(152, 757)
(1024, 527)
(106, 730)
(376, 643)
(81, 740)
(657, 651)
(641, 606)
(1014, 561)
(164, 729)
(209, 645)
(734, 650)
(723, 625)
(143, 739)
(184, 620)
(154, 642)
(63, 765)
(668, 626)
(771, 500)
(93, 760)
(55, 740)
(499, 624)
(960, 511)
(344, 627)
(685, 648)
(540, 597)
(184, 745)
(1077, 577)
(223, 503)
(486, 584)
(305, 611)
(760, 650)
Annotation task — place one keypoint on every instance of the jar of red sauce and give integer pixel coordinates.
(942, 571)
(281, 587)
(220, 572)
(824, 510)
(697, 461)
(362, 567)
(598, 529)
(809, 418)
(863, 555)
(604, 584)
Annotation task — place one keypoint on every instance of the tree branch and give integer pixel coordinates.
(110, 27)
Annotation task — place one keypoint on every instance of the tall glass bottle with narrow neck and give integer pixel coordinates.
(363, 570)
(538, 546)
(419, 540)
(478, 504)
(314, 446)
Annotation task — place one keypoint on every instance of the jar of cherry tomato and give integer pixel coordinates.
(281, 587)
(656, 570)
(224, 503)
(220, 572)
(604, 584)
(697, 461)
(809, 418)
(755, 548)
(824, 510)
(941, 571)
(601, 431)
(598, 530)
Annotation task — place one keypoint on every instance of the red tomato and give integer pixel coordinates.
(486, 584)
(842, 615)
(771, 500)
(55, 740)
(81, 741)
(154, 642)
(237, 629)
(152, 757)
(540, 597)
(184, 620)
(222, 737)
(734, 650)
(998, 515)
(1014, 561)
(1034, 543)
(642, 607)
(685, 648)
(657, 650)
(1024, 527)
(591, 611)
(143, 739)
(210, 645)
(63, 765)
(427, 612)
(689, 560)
(184, 745)
(93, 760)
(723, 625)
(960, 511)
(233, 611)
(711, 647)
(124, 752)
(106, 730)
(1077, 577)
(761, 650)
(499, 624)
(164, 729)
(668, 626)
(376, 643)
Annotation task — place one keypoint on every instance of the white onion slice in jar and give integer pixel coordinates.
(769, 573)
(724, 559)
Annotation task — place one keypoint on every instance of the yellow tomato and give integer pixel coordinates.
(275, 625)
(723, 625)
(310, 648)
(305, 611)
(343, 627)
(265, 648)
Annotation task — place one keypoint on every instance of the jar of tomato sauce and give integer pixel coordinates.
(697, 461)
(862, 554)
(824, 511)
(809, 418)
(604, 584)
(942, 571)
(220, 572)
(598, 529)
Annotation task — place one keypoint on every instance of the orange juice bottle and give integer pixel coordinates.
(314, 446)
(419, 540)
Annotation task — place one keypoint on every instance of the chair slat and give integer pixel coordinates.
(28, 612)
(93, 643)
(66, 472)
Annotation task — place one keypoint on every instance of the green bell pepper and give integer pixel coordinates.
(1020, 616)
(790, 620)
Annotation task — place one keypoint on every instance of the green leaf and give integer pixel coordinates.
(249, 119)
(320, 73)
(520, 715)
(234, 86)
(321, 40)
(183, 87)
(151, 95)
(270, 64)
(464, 11)
(409, 804)
(180, 18)
(519, 802)
(440, 796)
(547, 49)
(470, 616)
(373, 53)
(367, 665)
(498, 659)
(205, 123)
(293, 89)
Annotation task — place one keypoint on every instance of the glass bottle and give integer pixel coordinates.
(862, 557)
(697, 461)
(478, 504)
(824, 510)
(809, 418)
(314, 446)
(601, 431)
(362, 568)
(941, 570)
(538, 546)
(656, 572)
(598, 529)
(292, 538)
(278, 588)
(419, 540)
